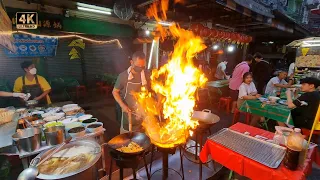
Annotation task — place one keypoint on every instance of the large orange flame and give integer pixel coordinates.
(176, 82)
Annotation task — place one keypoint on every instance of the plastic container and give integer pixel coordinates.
(281, 135)
(294, 148)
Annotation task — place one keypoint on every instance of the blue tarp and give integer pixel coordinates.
(33, 46)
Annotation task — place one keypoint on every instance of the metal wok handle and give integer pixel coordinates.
(206, 110)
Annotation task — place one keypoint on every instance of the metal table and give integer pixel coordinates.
(6, 142)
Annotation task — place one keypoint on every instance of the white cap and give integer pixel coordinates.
(298, 130)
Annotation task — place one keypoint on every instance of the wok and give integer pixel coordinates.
(205, 118)
(124, 139)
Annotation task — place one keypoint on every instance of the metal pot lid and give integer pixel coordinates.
(205, 117)
(88, 143)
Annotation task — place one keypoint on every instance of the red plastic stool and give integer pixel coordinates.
(307, 133)
(106, 89)
(225, 101)
(236, 116)
(99, 86)
(81, 91)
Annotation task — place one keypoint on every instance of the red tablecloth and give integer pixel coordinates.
(249, 168)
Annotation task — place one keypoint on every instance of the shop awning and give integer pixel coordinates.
(300, 42)
(256, 11)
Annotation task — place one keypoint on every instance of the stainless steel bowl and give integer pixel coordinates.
(54, 135)
(37, 123)
(88, 172)
(27, 140)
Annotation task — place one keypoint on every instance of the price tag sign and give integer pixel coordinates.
(27, 20)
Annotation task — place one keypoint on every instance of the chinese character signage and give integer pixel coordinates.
(46, 23)
(33, 46)
(6, 39)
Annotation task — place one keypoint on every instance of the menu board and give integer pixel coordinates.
(308, 57)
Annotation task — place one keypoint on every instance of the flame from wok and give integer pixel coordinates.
(176, 83)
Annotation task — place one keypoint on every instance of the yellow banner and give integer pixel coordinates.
(305, 51)
(73, 51)
(74, 56)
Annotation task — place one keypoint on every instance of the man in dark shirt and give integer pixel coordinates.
(261, 72)
(304, 108)
(129, 82)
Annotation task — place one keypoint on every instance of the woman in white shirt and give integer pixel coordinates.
(248, 91)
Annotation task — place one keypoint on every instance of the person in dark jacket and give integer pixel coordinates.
(261, 72)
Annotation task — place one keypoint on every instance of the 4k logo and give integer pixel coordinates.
(27, 20)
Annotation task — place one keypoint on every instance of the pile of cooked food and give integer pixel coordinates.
(67, 161)
(132, 147)
(308, 61)
(5, 116)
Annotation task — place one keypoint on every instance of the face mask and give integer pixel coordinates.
(138, 69)
(33, 71)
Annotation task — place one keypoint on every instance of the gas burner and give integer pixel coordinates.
(165, 158)
(131, 162)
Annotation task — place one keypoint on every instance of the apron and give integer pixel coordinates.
(34, 90)
(131, 103)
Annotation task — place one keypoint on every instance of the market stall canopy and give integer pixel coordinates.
(307, 42)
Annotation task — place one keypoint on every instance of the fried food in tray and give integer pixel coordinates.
(132, 147)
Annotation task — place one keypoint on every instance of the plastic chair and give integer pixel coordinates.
(106, 89)
(59, 88)
(99, 86)
(236, 116)
(81, 90)
(225, 101)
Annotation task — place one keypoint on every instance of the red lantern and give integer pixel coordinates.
(214, 33)
(205, 32)
(196, 28)
(227, 35)
(250, 39)
(246, 39)
(238, 37)
(242, 38)
(222, 35)
(233, 36)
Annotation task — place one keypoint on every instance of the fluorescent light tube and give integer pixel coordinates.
(94, 10)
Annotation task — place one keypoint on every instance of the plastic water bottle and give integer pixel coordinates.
(294, 147)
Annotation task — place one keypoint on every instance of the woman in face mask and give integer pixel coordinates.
(37, 86)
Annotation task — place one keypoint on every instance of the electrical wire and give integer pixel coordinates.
(67, 36)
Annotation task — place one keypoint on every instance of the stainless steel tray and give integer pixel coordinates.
(266, 153)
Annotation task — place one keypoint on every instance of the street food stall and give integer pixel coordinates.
(38, 130)
(307, 62)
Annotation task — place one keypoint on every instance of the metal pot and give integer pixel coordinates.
(54, 135)
(88, 172)
(27, 140)
(37, 123)
(205, 118)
